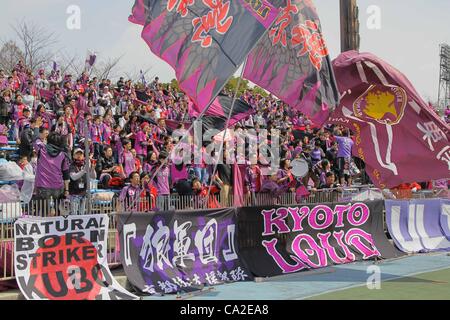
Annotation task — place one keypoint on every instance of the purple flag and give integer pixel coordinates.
(90, 61)
(143, 78)
(396, 133)
(293, 63)
(205, 41)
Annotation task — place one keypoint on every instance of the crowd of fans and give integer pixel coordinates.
(50, 116)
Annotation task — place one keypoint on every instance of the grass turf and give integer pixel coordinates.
(424, 286)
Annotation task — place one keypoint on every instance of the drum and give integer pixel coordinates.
(300, 168)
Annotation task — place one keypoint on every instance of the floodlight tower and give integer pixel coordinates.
(350, 38)
(444, 77)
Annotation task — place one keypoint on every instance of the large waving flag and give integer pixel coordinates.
(398, 136)
(217, 114)
(205, 41)
(292, 61)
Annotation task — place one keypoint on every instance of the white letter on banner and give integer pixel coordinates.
(129, 232)
(147, 250)
(182, 244)
(374, 280)
(161, 243)
(429, 242)
(74, 20)
(230, 254)
(205, 241)
(409, 246)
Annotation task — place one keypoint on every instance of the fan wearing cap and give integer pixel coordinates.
(78, 182)
(23, 120)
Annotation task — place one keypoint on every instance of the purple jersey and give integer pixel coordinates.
(49, 171)
(345, 147)
(162, 181)
(129, 163)
(140, 143)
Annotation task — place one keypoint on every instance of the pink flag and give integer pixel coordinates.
(397, 136)
(292, 61)
(204, 41)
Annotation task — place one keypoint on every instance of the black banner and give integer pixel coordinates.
(281, 240)
(171, 252)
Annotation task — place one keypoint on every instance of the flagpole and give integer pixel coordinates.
(233, 103)
(226, 129)
(87, 166)
(212, 99)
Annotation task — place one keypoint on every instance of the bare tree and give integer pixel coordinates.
(104, 69)
(70, 64)
(10, 54)
(36, 43)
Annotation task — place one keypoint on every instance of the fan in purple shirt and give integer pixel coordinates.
(52, 171)
(127, 161)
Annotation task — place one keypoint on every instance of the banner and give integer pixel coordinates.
(173, 252)
(217, 114)
(65, 258)
(396, 132)
(419, 225)
(205, 41)
(292, 61)
(281, 240)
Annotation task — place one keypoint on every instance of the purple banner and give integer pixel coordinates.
(419, 225)
(173, 252)
(396, 133)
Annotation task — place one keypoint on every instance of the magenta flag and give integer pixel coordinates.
(292, 61)
(205, 41)
(398, 136)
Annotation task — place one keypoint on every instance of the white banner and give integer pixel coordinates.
(65, 258)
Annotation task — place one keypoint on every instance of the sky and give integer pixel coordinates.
(409, 35)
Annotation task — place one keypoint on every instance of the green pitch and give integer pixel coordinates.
(424, 286)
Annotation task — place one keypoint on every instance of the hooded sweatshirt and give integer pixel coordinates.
(52, 167)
